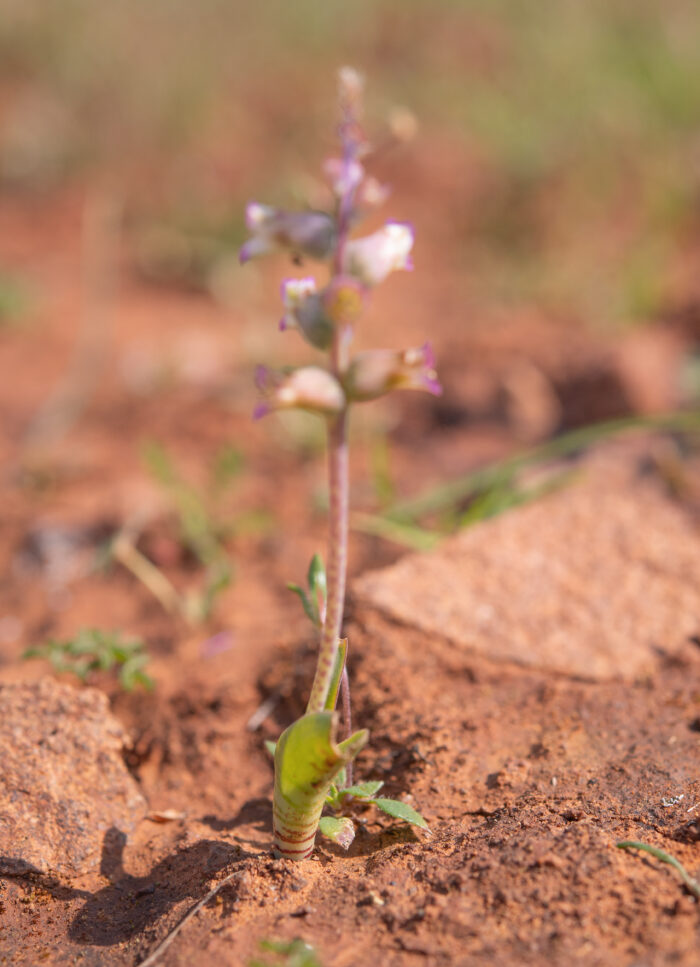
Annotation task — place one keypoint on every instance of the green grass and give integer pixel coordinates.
(92, 650)
(498, 487)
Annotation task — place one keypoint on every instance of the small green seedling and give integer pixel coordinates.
(288, 953)
(313, 601)
(693, 886)
(313, 767)
(92, 650)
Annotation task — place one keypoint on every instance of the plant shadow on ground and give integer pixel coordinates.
(129, 904)
(369, 844)
(255, 812)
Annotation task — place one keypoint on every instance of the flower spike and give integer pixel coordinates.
(313, 768)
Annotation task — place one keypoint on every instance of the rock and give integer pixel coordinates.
(63, 782)
(590, 582)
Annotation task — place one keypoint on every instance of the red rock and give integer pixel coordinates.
(587, 582)
(63, 782)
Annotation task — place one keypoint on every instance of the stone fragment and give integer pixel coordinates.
(63, 782)
(591, 581)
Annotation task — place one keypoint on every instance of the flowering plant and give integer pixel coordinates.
(312, 768)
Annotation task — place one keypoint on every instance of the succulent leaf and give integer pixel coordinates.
(340, 829)
(307, 760)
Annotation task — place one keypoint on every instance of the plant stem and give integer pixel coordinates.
(338, 480)
(337, 559)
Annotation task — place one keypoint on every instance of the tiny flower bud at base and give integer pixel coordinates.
(377, 372)
(343, 300)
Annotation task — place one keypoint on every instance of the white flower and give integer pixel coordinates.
(371, 259)
(378, 371)
(309, 388)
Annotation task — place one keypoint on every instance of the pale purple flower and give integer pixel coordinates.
(271, 229)
(376, 372)
(343, 176)
(304, 310)
(373, 258)
(316, 314)
(295, 293)
(309, 388)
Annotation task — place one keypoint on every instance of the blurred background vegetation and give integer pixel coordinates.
(573, 127)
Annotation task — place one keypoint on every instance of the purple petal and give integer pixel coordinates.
(262, 378)
(432, 385)
(217, 644)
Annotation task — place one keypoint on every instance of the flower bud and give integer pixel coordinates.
(351, 177)
(372, 258)
(305, 311)
(309, 388)
(343, 300)
(271, 229)
(374, 373)
(350, 89)
(371, 193)
(403, 124)
(343, 176)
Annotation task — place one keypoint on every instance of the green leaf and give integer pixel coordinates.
(340, 829)
(296, 953)
(228, 463)
(690, 884)
(307, 761)
(334, 686)
(309, 609)
(363, 790)
(316, 577)
(132, 673)
(94, 650)
(400, 810)
(270, 746)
